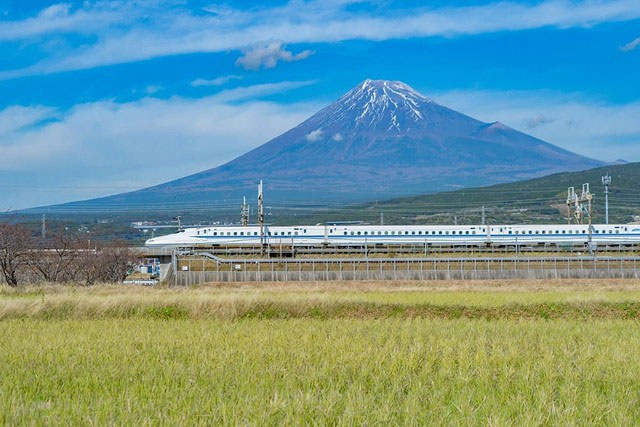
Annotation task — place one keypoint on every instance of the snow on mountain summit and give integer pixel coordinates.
(385, 107)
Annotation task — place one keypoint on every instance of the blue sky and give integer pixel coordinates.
(100, 97)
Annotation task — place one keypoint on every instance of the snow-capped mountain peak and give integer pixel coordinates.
(383, 107)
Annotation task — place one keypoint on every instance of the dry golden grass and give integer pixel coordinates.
(479, 299)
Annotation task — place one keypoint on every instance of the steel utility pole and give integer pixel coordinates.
(179, 219)
(245, 212)
(44, 226)
(483, 217)
(261, 214)
(606, 181)
(571, 200)
(381, 218)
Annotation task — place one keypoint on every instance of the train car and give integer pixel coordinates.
(443, 235)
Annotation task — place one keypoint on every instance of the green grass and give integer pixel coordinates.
(306, 371)
(344, 354)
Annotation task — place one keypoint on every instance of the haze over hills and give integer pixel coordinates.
(381, 139)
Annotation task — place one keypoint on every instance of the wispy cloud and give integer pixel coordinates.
(268, 56)
(132, 31)
(538, 120)
(631, 45)
(218, 81)
(260, 90)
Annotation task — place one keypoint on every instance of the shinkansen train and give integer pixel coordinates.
(352, 235)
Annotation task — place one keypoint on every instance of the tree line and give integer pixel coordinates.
(60, 257)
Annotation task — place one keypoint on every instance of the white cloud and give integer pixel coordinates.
(55, 11)
(256, 91)
(337, 137)
(268, 56)
(218, 81)
(631, 45)
(133, 31)
(589, 127)
(151, 89)
(131, 145)
(314, 135)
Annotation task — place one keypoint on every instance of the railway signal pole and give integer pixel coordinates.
(606, 181)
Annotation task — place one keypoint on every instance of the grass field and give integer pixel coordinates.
(527, 352)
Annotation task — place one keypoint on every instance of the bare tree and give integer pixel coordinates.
(15, 250)
(116, 261)
(109, 262)
(53, 259)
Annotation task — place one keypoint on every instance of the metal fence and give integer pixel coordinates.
(190, 270)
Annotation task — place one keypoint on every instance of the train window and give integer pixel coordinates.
(366, 232)
(255, 233)
(413, 232)
(617, 231)
(609, 231)
(305, 231)
(289, 233)
(510, 232)
(466, 232)
(544, 232)
(345, 233)
(386, 232)
(406, 232)
(446, 232)
(530, 232)
(296, 233)
(473, 232)
(453, 232)
(439, 232)
(358, 233)
(352, 233)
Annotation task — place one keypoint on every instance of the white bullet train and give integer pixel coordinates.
(445, 235)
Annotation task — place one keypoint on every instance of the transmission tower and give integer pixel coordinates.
(606, 181)
(577, 203)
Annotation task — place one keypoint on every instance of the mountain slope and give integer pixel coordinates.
(381, 139)
(537, 200)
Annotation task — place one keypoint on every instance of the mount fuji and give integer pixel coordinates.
(381, 139)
